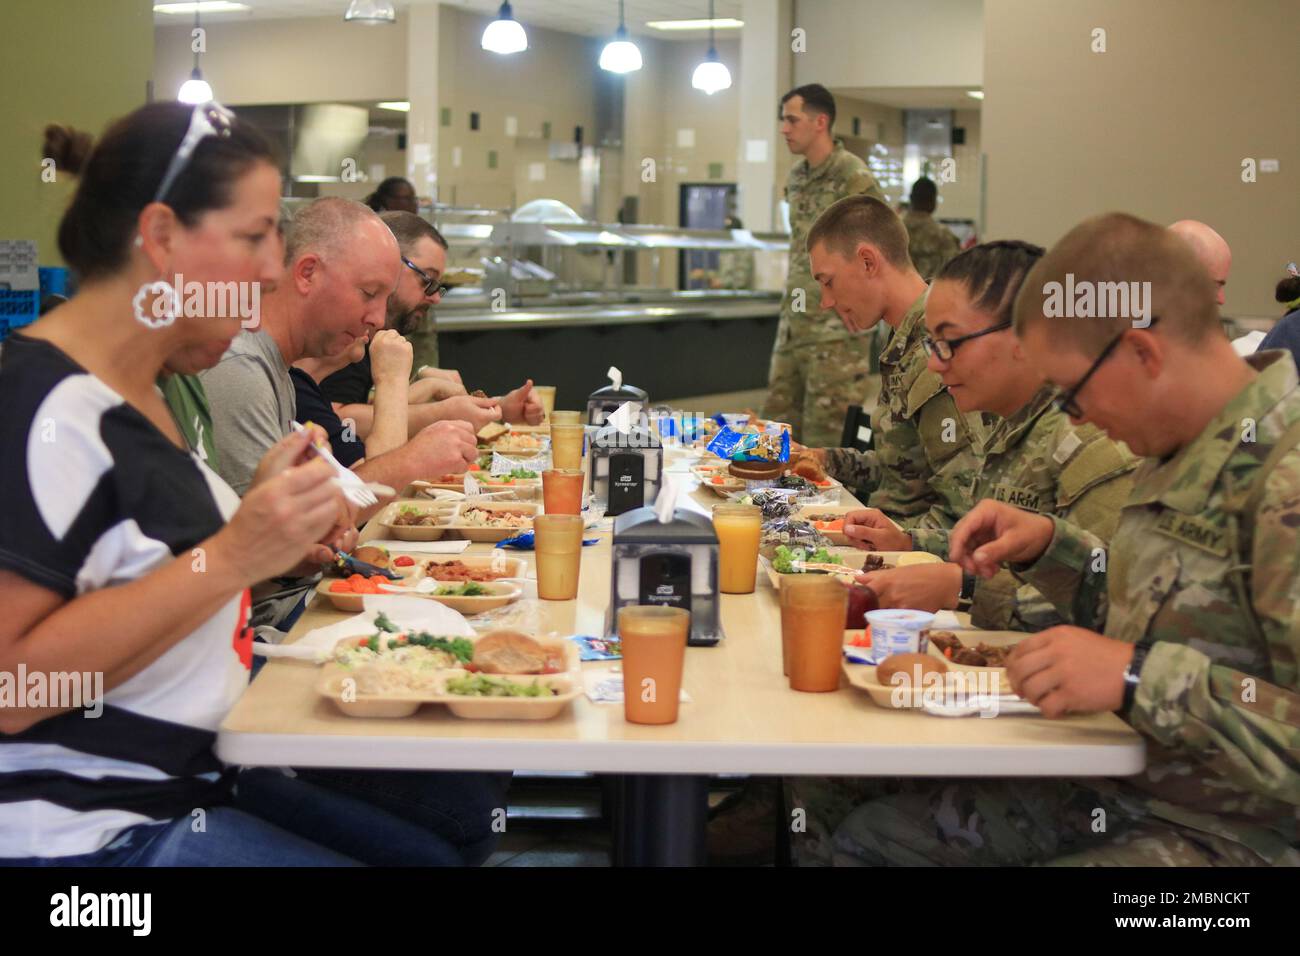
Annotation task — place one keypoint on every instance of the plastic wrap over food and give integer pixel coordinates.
(793, 534)
(750, 446)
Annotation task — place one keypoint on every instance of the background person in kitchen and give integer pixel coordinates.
(819, 367)
(1033, 457)
(1192, 630)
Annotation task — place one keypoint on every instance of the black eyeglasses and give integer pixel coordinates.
(208, 119)
(432, 286)
(1066, 401)
(943, 348)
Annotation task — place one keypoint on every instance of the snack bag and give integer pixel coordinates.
(750, 446)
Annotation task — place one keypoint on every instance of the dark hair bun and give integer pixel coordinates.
(1288, 289)
(68, 147)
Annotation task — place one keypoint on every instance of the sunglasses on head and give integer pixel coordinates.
(208, 119)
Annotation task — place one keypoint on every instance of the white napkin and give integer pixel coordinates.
(421, 547)
(615, 377)
(622, 417)
(1247, 344)
(409, 613)
(606, 687)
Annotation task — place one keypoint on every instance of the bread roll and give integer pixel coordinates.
(907, 664)
(513, 652)
(371, 554)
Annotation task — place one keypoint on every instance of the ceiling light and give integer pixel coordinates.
(505, 34)
(196, 89)
(401, 106)
(201, 6)
(620, 54)
(721, 23)
(712, 75)
(370, 12)
(975, 94)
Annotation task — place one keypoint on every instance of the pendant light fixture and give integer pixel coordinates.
(620, 54)
(196, 89)
(505, 34)
(370, 12)
(712, 74)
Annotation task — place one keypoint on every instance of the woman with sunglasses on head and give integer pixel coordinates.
(1033, 458)
(123, 557)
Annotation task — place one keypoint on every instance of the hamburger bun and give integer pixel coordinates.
(371, 554)
(907, 665)
(513, 652)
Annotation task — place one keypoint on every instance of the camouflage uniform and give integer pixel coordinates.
(917, 429)
(1038, 461)
(930, 244)
(1210, 575)
(819, 368)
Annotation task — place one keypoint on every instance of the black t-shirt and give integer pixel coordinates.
(313, 406)
(351, 384)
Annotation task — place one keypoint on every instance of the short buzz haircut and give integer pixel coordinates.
(408, 229)
(925, 195)
(1117, 248)
(857, 219)
(816, 99)
(323, 226)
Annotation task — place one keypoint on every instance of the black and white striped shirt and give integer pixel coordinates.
(94, 496)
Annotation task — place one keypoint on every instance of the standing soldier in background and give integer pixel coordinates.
(930, 244)
(818, 368)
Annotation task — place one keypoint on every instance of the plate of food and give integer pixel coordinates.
(490, 521)
(503, 674)
(474, 597)
(414, 521)
(475, 567)
(948, 671)
(464, 597)
(787, 562)
(516, 442)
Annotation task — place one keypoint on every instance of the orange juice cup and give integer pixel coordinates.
(739, 528)
(566, 447)
(812, 631)
(557, 544)
(654, 650)
(566, 418)
(562, 492)
(546, 395)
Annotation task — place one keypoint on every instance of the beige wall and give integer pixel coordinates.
(307, 60)
(552, 82)
(1157, 126)
(887, 43)
(65, 62)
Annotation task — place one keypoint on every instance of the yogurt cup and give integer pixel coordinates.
(898, 631)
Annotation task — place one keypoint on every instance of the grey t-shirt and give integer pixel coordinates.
(252, 399)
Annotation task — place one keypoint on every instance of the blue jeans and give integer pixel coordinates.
(230, 837)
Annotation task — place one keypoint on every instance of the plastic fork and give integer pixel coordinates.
(358, 491)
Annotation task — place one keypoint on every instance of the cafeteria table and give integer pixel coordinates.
(742, 718)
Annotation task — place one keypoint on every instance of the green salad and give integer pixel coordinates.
(481, 685)
(785, 559)
(464, 589)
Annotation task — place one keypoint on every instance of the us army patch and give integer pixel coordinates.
(1198, 532)
(1020, 497)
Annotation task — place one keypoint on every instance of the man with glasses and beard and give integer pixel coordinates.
(435, 392)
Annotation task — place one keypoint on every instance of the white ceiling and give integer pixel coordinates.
(590, 17)
(914, 97)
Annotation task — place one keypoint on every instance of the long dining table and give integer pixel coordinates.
(741, 718)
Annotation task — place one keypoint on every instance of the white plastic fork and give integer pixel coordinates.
(356, 489)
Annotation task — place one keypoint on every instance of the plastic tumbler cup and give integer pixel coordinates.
(557, 545)
(739, 528)
(566, 446)
(654, 650)
(562, 492)
(546, 395)
(566, 418)
(813, 608)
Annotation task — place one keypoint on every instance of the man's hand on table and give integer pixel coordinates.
(993, 534)
(1069, 670)
(522, 406)
(870, 530)
(920, 587)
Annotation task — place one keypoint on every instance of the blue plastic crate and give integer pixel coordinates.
(54, 281)
(19, 308)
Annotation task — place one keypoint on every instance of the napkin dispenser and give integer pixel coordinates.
(606, 400)
(626, 468)
(672, 563)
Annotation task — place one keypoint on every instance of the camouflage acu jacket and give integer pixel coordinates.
(930, 244)
(1215, 584)
(917, 429)
(1038, 461)
(809, 191)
